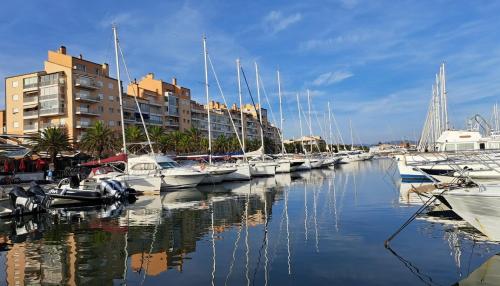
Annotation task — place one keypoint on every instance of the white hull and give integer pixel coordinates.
(217, 174)
(178, 181)
(306, 165)
(261, 169)
(283, 166)
(316, 163)
(479, 208)
(242, 173)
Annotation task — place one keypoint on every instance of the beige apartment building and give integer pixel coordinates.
(73, 93)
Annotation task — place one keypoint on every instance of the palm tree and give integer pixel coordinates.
(98, 139)
(175, 139)
(164, 143)
(155, 134)
(195, 136)
(52, 140)
(134, 134)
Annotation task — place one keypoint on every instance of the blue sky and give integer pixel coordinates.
(375, 61)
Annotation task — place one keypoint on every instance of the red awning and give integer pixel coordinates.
(113, 159)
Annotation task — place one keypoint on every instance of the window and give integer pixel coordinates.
(110, 110)
(100, 84)
(100, 95)
(30, 82)
(15, 110)
(80, 67)
(465, 146)
(62, 121)
(111, 98)
(15, 83)
(15, 97)
(144, 166)
(16, 124)
(97, 71)
(110, 85)
(168, 165)
(101, 108)
(111, 123)
(494, 145)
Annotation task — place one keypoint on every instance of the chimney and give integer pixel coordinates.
(62, 50)
(81, 57)
(150, 75)
(174, 81)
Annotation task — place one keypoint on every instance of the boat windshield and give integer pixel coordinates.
(168, 165)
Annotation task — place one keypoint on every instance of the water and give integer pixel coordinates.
(320, 227)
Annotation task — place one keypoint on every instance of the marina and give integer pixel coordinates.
(321, 226)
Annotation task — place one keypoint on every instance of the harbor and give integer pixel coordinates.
(320, 226)
(339, 142)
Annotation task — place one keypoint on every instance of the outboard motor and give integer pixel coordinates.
(112, 189)
(41, 197)
(25, 201)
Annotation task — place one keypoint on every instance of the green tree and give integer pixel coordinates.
(134, 134)
(52, 140)
(155, 134)
(98, 139)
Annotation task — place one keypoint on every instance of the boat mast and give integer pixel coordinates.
(330, 126)
(281, 115)
(300, 124)
(309, 115)
(238, 67)
(260, 110)
(445, 97)
(208, 100)
(120, 95)
(352, 139)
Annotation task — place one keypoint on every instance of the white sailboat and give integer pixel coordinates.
(215, 173)
(261, 165)
(307, 163)
(284, 164)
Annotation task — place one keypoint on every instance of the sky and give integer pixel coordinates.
(373, 61)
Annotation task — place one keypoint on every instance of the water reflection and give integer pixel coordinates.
(319, 227)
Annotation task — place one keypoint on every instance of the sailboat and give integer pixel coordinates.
(150, 172)
(315, 162)
(215, 173)
(261, 165)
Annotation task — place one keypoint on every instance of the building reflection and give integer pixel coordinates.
(154, 235)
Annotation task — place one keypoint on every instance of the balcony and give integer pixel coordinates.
(51, 125)
(32, 114)
(30, 87)
(88, 83)
(30, 100)
(51, 111)
(86, 111)
(58, 96)
(30, 128)
(80, 124)
(87, 97)
(129, 105)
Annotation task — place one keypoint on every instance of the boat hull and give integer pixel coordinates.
(242, 173)
(283, 166)
(481, 209)
(263, 169)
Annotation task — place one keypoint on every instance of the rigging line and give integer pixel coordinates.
(236, 244)
(251, 97)
(225, 102)
(267, 99)
(135, 99)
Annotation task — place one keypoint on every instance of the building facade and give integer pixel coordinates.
(74, 93)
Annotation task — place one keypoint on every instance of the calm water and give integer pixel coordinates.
(322, 227)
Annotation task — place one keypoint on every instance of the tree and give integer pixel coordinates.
(52, 140)
(134, 134)
(155, 135)
(98, 139)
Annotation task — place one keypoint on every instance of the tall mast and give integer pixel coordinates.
(445, 97)
(260, 109)
(238, 67)
(208, 100)
(300, 124)
(330, 126)
(120, 95)
(352, 139)
(309, 114)
(281, 115)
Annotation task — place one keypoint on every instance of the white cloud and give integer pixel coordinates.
(275, 21)
(332, 77)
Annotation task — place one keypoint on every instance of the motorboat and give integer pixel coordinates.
(299, 164)
(71, 191)
(22, 202)
(478, 205)
(215, 173)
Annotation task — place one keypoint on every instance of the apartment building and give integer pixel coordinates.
(170, 104)
(73, 93)
(70, 92)
(221, 122)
